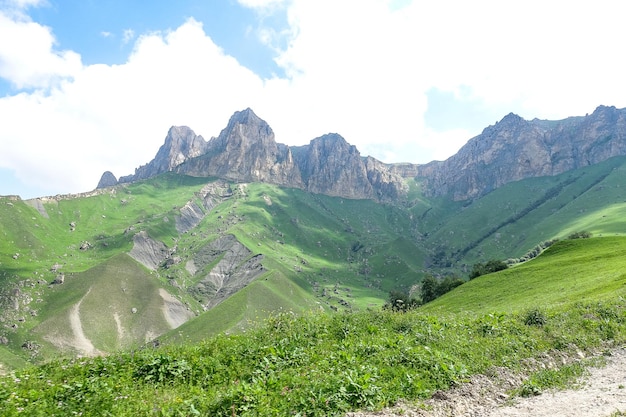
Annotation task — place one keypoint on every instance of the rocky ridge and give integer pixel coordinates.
(513, 149)
(181, 143)
(246, 151)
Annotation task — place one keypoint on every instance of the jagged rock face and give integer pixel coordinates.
(246, 151)
(404, 169)
(514, 149)
(181, 144)
(386, 183)
(107, 180)
(593, 139)
(148, 251)
(236, 268)
(191, 214)
(511, 150)
(331, 166)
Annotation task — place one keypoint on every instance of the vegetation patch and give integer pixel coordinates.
(317, 364)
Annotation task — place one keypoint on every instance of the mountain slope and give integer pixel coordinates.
(515, 149)
(259, 227)
(229, 254)
(510, 221)
(113, 306)
(119, 266)
(569, 272)
(547, 317)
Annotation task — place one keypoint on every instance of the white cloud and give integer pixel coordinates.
(30, 60)
(359, 68)
(555, 58)
(22, 4)
(365, 68)
(353, 72)
(115, 117)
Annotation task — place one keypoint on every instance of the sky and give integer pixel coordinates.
(88, 86)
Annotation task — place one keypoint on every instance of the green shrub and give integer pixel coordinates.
(487, 268)
(400, 301)
(580, 235)
(432, 288)
(535, 317)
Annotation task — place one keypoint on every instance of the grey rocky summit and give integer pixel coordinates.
(107, 180)
(247, 151)
(181, 143)
(511, 150)
(514, 149)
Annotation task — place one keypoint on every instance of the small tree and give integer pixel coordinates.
(448, 284)
(400, 301)
(429, 290)
(487, 268)
(580, 235)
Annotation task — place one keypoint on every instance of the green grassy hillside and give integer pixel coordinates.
(120, 307)
(511, 220)
(305, 252)
(84, 240)
(537, 319)
(569, 272)
(318, 253)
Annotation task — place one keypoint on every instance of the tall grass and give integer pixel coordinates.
(317, 364)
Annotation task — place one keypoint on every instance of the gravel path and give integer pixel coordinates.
(601, 393)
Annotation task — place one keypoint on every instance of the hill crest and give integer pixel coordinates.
(246, 151)
(510, 150)
(514, 149)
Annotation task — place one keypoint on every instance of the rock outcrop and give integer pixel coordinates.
(107, 180)
(514, 149)
(191, 214)
(330, 165)
(181, 144)
(236, 268)
(510, 150)
(246, 151)
(147, 251)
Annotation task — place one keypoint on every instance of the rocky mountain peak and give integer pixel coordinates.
(246, 127)
(605, 109)
(333, 142)
(511, 118)
(247, 116)
(330, 165)
(181, 144)
(514, 149)
(246, 150)
(107, 180)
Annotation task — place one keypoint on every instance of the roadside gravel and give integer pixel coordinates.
(600, 393)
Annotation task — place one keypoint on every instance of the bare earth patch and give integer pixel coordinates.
(81, 342)
(599, 394)
(118, 324)
(603, 392)
(175, 312)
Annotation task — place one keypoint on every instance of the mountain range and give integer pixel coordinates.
(511, 150)
(212, 236)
